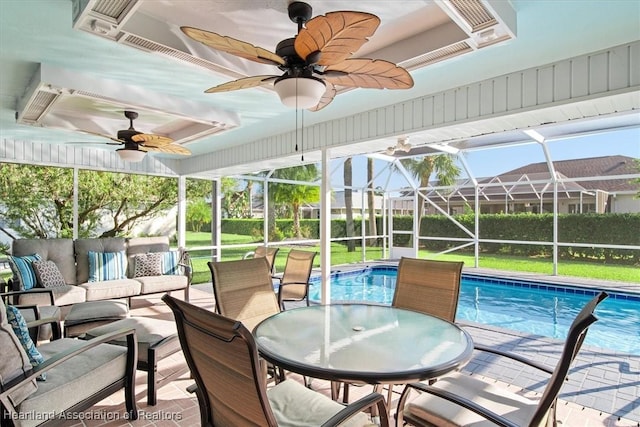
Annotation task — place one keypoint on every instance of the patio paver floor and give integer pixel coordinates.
(603, 389)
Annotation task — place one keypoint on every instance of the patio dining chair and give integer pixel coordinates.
(427, 286)
(265, 252)
(243, 290)
(460, 400)
(224, 361)
(294, 282)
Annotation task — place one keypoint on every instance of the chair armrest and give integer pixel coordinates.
(513, 356)
(64, 356)
(52, 298)
(294, 283)
(187, 265)
(465, 403)
(368, 401)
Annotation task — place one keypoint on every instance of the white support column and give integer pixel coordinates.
(325, 229)
(75, 204)
(216, 216)
(182, 211)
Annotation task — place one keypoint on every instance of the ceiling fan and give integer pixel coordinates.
(315, 61)
(402, 145)
(137, 144)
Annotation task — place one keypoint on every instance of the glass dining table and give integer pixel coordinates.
(360, 343)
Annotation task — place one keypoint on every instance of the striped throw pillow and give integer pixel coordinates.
(23, 272)
(171, 262)
(107, 266)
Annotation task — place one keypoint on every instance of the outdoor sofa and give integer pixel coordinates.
(96, 269)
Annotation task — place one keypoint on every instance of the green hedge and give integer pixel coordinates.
(615, 229)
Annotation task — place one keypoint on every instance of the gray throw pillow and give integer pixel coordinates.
(48, 274)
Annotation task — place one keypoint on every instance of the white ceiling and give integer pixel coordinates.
(98, 76)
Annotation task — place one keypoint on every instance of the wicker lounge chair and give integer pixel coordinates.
(223, 359)
(294, 282)
(459, 399)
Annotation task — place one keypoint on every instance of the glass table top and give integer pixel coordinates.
(362, 343)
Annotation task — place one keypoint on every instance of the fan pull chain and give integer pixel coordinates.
(302, 136)
(296, 115)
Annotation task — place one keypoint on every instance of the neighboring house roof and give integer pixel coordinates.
(534, 179)
(592, 166)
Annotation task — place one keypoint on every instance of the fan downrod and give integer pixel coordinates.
(299, 12)
(126, 134)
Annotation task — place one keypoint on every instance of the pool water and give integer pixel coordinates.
(529, 307)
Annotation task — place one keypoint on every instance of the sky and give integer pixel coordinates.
(492, 162)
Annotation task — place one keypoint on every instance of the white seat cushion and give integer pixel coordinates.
(437, 411)
(295, 405)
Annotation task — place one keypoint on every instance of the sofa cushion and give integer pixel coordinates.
(82, 248)
(59, 251)
(22, 268)
(63, 295)
(83, 375)
(111, 289)
(107, 266)
(155, 284)
(48, 274)
(149, 264)
(143, 245)
(14, 359)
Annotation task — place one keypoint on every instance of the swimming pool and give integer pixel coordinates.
(530, 307)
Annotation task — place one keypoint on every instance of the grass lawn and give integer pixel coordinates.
(339, 255)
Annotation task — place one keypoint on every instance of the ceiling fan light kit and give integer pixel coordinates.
(300, 92)
(132, 156)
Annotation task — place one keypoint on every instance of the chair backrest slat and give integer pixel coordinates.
(243, 290)
(224, 362)
(431, 287)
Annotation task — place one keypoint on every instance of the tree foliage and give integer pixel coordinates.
(443, 165)
(37, 201)
(293, 196)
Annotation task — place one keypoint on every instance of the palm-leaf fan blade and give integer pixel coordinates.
(337, 35)
(151, 140)
(326, 99)
(171, 149)
(369, 73)
(233, 46)
(243, 83)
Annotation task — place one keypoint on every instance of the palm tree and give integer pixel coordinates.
(294, 196)
(348, 202)
(443, 165)
(373, 227)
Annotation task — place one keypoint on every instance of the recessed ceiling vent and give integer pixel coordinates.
(151, 46)
(474, 12)
(102, 17)
(437, 56)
